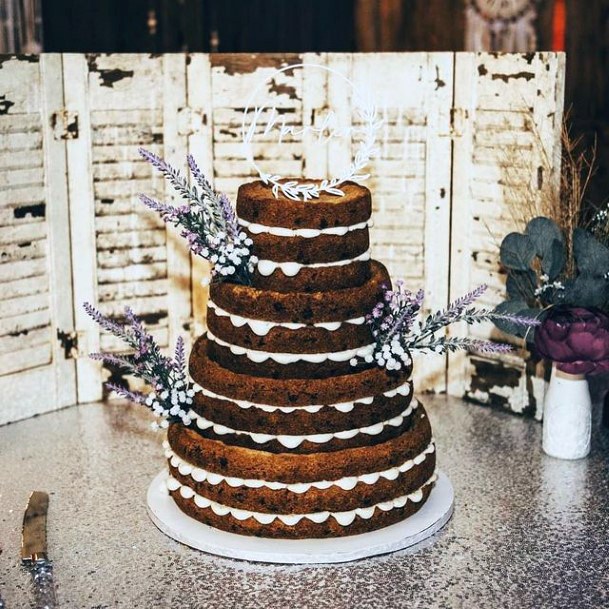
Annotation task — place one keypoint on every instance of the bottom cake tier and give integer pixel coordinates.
(292, 496)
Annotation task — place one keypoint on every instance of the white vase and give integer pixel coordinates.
(567, 416)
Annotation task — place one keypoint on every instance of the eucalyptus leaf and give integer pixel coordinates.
(541, 231)
(521, 285)
(517, 252)
(585, 291)
(591, 256)
(554, 259)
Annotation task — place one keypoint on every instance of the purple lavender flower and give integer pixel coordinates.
(105, 322)
(230, 217)
(397, 330)
(456, 308)
(197, 174)
(133, 396)
(172, 395)
(179, 358)
(208, 222)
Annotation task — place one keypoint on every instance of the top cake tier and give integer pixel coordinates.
(307, 246)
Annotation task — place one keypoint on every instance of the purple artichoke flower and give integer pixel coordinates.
(577, 339)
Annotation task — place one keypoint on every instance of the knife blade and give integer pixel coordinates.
(34, 550)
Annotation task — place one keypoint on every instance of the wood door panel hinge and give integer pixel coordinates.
(64, 124)
(69, 343)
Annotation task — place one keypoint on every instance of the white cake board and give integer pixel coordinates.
(434, 514)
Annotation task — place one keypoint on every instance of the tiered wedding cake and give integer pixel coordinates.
(297, 432)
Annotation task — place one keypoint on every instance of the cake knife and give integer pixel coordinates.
(34, 550)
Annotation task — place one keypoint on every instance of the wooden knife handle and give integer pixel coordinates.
(44, 588)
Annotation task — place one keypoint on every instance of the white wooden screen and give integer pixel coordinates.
(411, 202)
(36, 319)
(435, 186)
(123, 254)
(508, 117)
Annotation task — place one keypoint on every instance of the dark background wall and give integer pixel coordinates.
(198, 25)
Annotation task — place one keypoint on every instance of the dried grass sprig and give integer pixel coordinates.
(565, 202)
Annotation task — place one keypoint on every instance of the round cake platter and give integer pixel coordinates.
(434, 514)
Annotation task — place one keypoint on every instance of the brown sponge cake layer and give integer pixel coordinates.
(325, 248)
(308, 339)
(290, 392)
(256, 203)
(302, 307)
(241, 462)
(329, 442)
(242, 364)
(333, 499)
(315, 278)
(325, 419)
(303, 529)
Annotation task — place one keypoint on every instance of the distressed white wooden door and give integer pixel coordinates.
(123, 255)
(508, 113)
(37, 372)
(410, 179)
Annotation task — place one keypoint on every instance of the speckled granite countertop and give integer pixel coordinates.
(528, 530)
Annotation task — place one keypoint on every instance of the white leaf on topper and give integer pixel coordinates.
(363, 106)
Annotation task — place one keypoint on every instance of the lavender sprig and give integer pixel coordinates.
(105, 322)
(443, 344)
(397, 330)
(179, 357)
(207, 221)
(172, 394)
(137, 397)
(174, 177)
(209, 200)
(229, 216)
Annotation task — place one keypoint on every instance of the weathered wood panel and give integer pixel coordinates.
(507, 121)
(411, 177)
(130, 258)
(35, 277)
(410, 180)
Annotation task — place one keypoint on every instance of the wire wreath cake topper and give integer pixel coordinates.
(254, 118)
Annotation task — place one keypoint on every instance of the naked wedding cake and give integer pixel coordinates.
(296, 431)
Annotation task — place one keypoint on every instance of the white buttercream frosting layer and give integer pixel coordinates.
(292, 441)
(291, 358)
(290, 269)
(343, 518)
(262, 327)
(346, 483)
(307, 233)
(403, 390)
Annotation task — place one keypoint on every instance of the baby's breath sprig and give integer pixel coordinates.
(207, 221)
(398, 330)
(545, 286)
(172, 394)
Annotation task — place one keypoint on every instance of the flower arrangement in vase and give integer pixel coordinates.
(558, 272)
